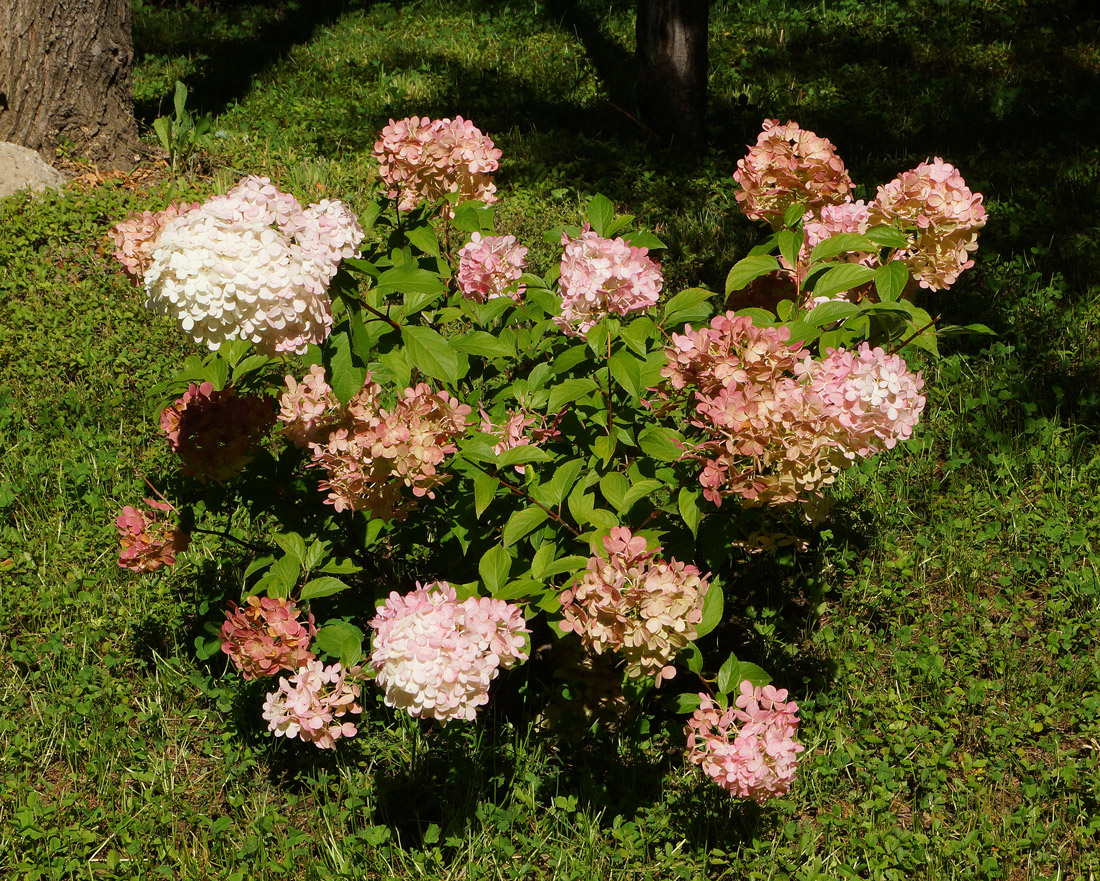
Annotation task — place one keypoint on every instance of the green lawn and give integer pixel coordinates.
(940, 635)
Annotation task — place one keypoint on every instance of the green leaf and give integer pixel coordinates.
(565, 475)
(794, 213)
(567, 391)
(424, 238)
(481, 343)
(692, 658)
(473, 216)
(842, 243)
(430, 353)
(180, 99)
(687, 703)
(890, 280)
(888, 237)
(569, 359)
(485, 488)
(161, 127)
(345, 566)
(341, 640)
(727, 673)
(521, 523)
(293, 544)
(687, 306)
(345, 377)
(493, 567)
(563, 564)
(688, 504)
(760, 317)
(644, 239)
(626, 371)
(747, 270)
(521, 588)
(258, 564)
(754, 675)
(639, 490)
(522, 455)
(581, 503)
(614, 487)
(604, 447)
(663, 444)
(827, 313)
(284, 574)
(544, 556)
(324, 586)
(398, 366)
(637, 335)
(410, 279)
(842, 278)
(790, 244)
(600, 213)
(713, 606)
(602, 518)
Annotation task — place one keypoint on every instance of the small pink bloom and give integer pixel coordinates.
(311, 704)
(265, 636)
(146, 544)
(490, 267)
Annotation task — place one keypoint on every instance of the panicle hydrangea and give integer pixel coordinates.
(146, 544)
(786, 166)
(252, 265)
(136, 236)
(871, 395)
(603, 277)
(213, 432)
(369, 452)
(634, 603)
(266, 636)
(942, 216)
(424, 159)
(490, 267)
(756, 758)
(310, 704)
(436, 657)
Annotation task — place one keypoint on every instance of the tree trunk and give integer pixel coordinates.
(65, 75)
(672, 69)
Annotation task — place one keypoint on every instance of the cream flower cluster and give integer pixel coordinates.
(777, 425)
(436, 657)
(490, 267)
(252, 265)
(933, 203)
(370, 452)
(214, 432)
(266, 636)
(749, 749)
(789, 165)
(136, 236)
(603, 277)
(311, 704)
(424, 159)
(633, 602)
(147, 544)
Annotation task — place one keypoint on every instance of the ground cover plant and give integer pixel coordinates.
(938, 632)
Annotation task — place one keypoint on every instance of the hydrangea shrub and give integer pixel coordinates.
(573, 450)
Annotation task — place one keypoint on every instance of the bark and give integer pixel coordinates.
(66, 75)
(672, 69)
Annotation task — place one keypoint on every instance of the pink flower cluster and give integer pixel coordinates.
(490, 267)
(789, 165)
(312, 702)
(146, 544)
(252, 265)
(424, 159)
(514, 432)
(779, 426)
(371, 452)
(436, 657)
(633, 602)
(942, 215)
(136, 236)
(266, 636)
(603, 277)
(213, 432)
(755, 759)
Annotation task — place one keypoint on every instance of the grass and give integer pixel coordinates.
(940, 636)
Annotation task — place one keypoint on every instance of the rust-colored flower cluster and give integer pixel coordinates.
(148, 544)
(373, 453)
(266, 635)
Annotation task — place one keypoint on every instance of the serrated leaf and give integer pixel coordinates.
(604, 447)
(790, 244)
(842, 243)
(473, 216)
(424, 238)
(567, 391)
(890, 280)
(727, 675)
(637, 335)
(522, 522)
(343, 566)
(686, 703)
(485, 488)
(410, 279)
(756, 676)
(827, 313)
(687, 306)
(522, 455)
(481, 343)
(324, 586)
(626, 371)
(565, 475)
(580, 502)
(292, 544)
(564, 564)
(644, 239)
(284, 574)
(688, 504)
(341, 640)
(661, 443)
(747, 270)
(614, 487)
(839, 279)
(603, 518)
(398, 366)
(713, 606)
(494, 567)
(600, 213)
(639, 490)
(793, 213)
(544, 556)
(345, 377)
(430, 353)
(759, 317)
(569, 359)
(888, 237)
(521, 588)
(258, 564)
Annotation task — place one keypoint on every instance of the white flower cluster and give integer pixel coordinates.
(252, 265)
